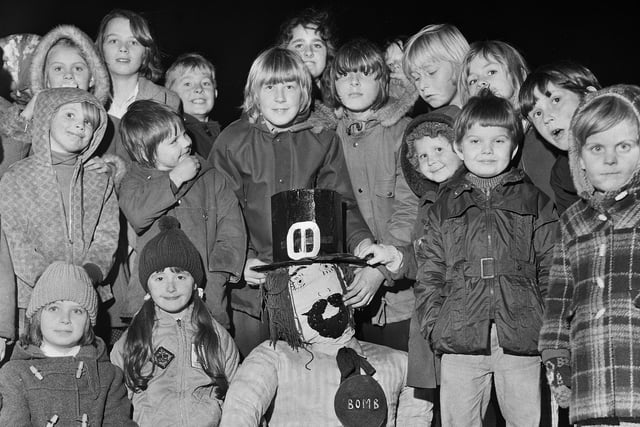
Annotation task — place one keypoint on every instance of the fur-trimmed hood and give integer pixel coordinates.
(101, 81)
(418, 183)
(18, 51)
(629, 94)
(402, 97)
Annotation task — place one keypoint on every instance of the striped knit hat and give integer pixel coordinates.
(62, 281)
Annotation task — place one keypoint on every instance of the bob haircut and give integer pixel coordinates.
(438, 42)
(565, 74)
(488, 110)
(145, 125)
(360, 55)
(151, 67)
(187, 62)
(33, 332)
(501, 52)
(310, 18)
(272, 66)
(600, 115)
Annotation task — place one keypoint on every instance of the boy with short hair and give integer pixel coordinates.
(193, 78)
(590, 338)
(483, 264)
(53, 207)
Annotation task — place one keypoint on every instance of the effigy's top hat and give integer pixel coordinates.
(307, 228)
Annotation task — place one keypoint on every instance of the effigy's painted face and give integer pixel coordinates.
(316, 295)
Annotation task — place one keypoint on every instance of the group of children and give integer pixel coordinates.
(500, 226)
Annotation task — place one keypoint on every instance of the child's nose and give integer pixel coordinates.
(483, 84)
(65, 316)
(355, 79)
(123, 47)
(610, 157)
(280, 94)
(308, 51)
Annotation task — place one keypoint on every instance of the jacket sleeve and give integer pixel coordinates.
(554, 334)
(7, 292)
(14, 406)
(229, 354)
(27, 262)
(405, 210)
(142, 202)
(431, 274)
(229, 251)
(105, 239)
(252, 390)
(221, 158)
(544, 238)
(117, 408)
(335, 176)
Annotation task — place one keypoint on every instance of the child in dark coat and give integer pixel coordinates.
(60, 373)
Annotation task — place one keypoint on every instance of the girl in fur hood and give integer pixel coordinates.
(64, 57)
(370, 124)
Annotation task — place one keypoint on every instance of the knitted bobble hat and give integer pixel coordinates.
(62, 281)
(169, 248)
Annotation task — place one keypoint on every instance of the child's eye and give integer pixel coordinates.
(111, 41)
(596, 148)
(472, 82)
(70, 115)
(298, 46)
(79, 69)
(181, 277)
(268, 87)
(366, 73)
(535, 114)
(422, 156)
(555, 100)
(492, 72)
(438, 149)
(318, 46)
(57, 68)
(52, 308)
(207, 83)
(134, 42)
(78, 311)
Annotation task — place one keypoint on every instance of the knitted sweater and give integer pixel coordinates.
(34, 388)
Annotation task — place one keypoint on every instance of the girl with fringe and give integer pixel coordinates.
(177, 359)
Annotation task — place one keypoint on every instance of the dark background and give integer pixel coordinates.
(231, 33)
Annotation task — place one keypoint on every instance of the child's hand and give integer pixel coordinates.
(253, 278)
(559, 379)
(365, 284)
(185, 170)
(98, 165)
(361, 247)
(387, 255)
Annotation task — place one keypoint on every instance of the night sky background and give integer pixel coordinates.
(231, 33)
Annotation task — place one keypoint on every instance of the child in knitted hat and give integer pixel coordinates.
(174, 336)
(60, 372)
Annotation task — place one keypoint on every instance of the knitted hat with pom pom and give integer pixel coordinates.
(62, 281)
(169, 248)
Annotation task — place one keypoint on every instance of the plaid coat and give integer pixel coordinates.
(592, 312)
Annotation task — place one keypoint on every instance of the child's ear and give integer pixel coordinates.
(458, 151)
(582, 166)
(91, 82)
(215, 93)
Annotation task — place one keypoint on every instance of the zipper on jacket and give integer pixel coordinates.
(182, 366)
(492, 282)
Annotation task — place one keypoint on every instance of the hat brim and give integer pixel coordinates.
(327, 259)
